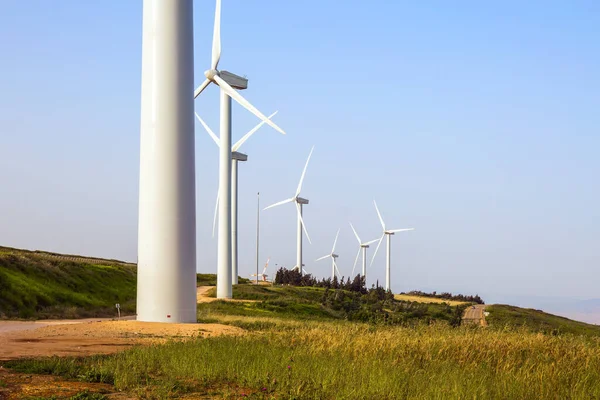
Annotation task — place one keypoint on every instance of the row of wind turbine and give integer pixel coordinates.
(363, 246)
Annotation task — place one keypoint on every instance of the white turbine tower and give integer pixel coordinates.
(333, 256)
(361, 246)
(225, 80)
(235, 158)
(388, 233)
(299, 203)
(166, 279)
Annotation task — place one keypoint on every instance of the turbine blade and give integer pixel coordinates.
(210, 131)
(201, 88)
(379, 215)
(231, 92)
(324, 257)
(355, 261)
(302, 222)
(240, 142)
(215, 217)
(335, 241)
(304, 172)
(355, 234)
(376, 250)
(401, 230)
(336, 268)
(216, 47)
(370, 242)
(279, 203)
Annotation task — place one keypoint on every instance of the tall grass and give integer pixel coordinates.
(356, 361)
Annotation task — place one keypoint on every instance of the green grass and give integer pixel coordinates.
(538, 321)
(211, 280)
(345, 360)
(39, 285)
(319, 304)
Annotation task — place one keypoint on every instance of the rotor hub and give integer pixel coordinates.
(211, 73)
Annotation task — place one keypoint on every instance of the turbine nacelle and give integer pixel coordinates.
(301, 200)
(236, 155)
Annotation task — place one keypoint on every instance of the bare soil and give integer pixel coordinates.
(99, 337)
(22, 339)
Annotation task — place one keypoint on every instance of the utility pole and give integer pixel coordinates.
(257, 231)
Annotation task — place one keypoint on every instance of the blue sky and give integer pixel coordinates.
(475, 123)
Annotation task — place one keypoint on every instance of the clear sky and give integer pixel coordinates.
(475, 123)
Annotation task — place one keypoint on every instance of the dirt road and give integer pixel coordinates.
(475, 315)
(97, 335)
(11, 326)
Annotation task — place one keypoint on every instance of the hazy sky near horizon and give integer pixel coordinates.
(475, 123)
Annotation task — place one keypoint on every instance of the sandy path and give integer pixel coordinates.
(474, 315)
(10, 326)
(202, 296)
(97, 335)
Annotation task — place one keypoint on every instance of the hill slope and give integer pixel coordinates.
(536, 320)
(37, 284)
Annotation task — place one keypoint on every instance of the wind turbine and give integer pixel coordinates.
(226, 82)
(235, 157)
(299, 203)
(389, 233)
(361, 246)
(263, 275)
(333, 257)
(166, 278)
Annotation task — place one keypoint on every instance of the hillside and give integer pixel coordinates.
(501, 315)
(36, 284)
(321, 304)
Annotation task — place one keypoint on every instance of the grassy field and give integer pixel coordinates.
(295, 350)
(44, 285)
(343, 360)
(537, 321)
(211, 280)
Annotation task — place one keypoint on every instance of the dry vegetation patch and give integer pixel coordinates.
(16, 386)
(422, 299)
